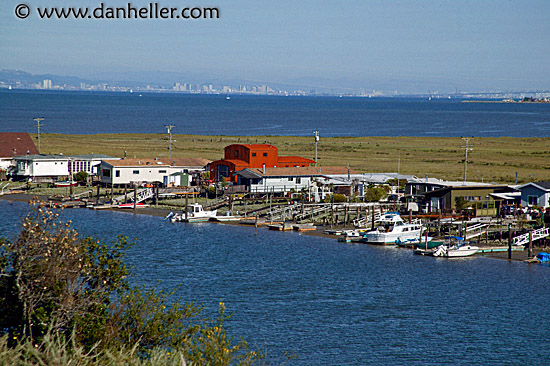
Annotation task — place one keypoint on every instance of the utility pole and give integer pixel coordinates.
(38, 120)
(466, 148)
(316, 133)
(169, 127)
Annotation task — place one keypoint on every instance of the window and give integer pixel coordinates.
(253, 154)
(162, 171)
(298, 180)
(533, 200)
(117, 173)
(265, 154)
(136, 171)
(291, 179)
(106, 173)
(236, 153)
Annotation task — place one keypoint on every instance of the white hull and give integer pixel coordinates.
(454, 252)
(390, 238)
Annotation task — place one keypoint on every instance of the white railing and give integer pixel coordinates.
(537, 234)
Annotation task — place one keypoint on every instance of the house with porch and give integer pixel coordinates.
(480, 195)
(127, 172)
(535, 194)
(288, 179)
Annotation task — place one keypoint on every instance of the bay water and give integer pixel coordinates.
(244, 115)
(333, 303)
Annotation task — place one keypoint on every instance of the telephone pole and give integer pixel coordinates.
(466, 148)
(316, 134)
(169, 127)
(38, 120)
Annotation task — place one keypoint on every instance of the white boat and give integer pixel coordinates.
(455, 249)
(195, 213)
(391, 228)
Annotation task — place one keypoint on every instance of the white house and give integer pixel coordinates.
(42, 167)
(535, 194)
(87, 163)
(283, 180)
(139, 171)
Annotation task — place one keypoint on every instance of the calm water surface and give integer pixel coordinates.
(334, 303)
(92, 113)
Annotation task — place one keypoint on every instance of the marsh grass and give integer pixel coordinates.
(491, 160)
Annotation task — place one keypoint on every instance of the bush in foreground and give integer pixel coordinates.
(66, 300)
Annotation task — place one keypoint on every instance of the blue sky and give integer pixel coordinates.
(459, 44)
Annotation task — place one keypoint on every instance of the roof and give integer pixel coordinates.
(468, 187)
(175, 162)
(542, 185)
(135, 162)
(94, 156)
(196, 162)
(255, 146)
(41, 157)
(294, 171)
(236, 162)
(16, 143)
(294, 159)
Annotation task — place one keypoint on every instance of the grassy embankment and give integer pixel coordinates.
(491, 160)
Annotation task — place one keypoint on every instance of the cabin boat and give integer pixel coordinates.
(195, 213)
(391, 228)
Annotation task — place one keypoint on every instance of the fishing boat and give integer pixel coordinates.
(455, 247)
(195, 213)
(390, 228)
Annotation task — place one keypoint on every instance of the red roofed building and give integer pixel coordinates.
(13, 144)
(238, 157)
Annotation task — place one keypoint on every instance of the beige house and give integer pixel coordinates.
(151, 171)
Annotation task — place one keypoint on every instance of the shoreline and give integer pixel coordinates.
(517, 256)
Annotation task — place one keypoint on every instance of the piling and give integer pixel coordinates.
(186, 206)
(530, 248)
(509, 241)
(135, 197)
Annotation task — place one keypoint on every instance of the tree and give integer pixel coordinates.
(81, 177)
(55, 284)
(375, 194)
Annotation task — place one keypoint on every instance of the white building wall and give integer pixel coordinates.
(280, 184)
(49, 168)
(42, 168)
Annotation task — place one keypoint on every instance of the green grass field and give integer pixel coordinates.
(491, 160)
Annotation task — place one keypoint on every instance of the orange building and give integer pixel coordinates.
(242, 156)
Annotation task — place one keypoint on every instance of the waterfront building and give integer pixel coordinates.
(13, 144)
(149, 171)
(535, 194)
(287, 179)
(238, 157)
(477, 196)
(42, 168)
(88, 163)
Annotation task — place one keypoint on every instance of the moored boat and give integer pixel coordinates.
(390, 228)
(454, 248)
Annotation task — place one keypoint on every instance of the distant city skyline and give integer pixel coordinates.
(406, 46)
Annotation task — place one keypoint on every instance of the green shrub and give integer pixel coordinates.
(67, 300)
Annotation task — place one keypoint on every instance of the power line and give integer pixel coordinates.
(38, 120)
(169, 127)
